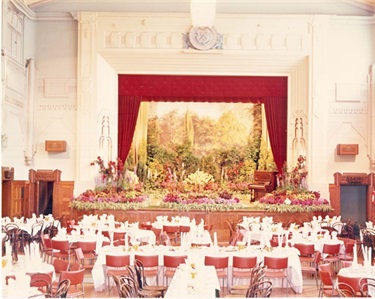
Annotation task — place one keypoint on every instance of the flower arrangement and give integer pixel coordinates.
(292, 194)
(201, 197)
(116, 189)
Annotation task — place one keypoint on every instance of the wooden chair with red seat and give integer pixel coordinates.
(150, 264)
(85, 253)
(61, 250)
(277, 269)
(171, 262)
(221, 266)
(353, 282)
(307, 253)
(76, 278)
(327, 287)
(142, 280)
(313, 269)
(116, 265)
(42, 281)
(242, 269)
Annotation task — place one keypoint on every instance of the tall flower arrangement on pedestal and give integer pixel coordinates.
(292, 194)
(116, 188)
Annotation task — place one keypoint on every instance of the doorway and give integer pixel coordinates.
(353, 203)
(45, 200)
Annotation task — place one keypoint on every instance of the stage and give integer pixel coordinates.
(219, 219)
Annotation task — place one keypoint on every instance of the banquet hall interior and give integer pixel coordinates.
(80, 83)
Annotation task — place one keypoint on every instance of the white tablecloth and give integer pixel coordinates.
(204, 285)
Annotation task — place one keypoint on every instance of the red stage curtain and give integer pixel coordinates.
(272, 91)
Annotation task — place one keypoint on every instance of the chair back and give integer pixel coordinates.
(218, 262)
(75, 277)
(173, 261)
(184, 228)
(244, 262)
(62, 245)
(326, 267)
(41, 280)
(305, 249)
(367, 286)
(276, 263)
(326, 278)
(148, 260)
(117, 260)
(60, 265)
(118, 235)
(352, 281)
(331, 249)
(87, 246)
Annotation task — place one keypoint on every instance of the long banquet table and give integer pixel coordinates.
(198, 254)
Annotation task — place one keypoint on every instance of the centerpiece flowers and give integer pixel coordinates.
(291, 195)
(116, 188)
(199, 192)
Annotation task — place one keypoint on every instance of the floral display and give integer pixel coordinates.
(292, 194)
(201, 196)
(116, 189)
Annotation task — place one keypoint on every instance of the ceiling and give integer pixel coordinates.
(333, 7)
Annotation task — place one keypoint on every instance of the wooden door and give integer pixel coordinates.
(62, 193)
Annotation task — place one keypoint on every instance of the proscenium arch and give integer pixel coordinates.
(271, 91)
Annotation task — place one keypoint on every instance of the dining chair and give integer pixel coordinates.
(142, 281)
(134, 283)
(46, 248)
(261, 289)
(352, 281)
(257, 275)
(171, 262)
(42, 281)
(367, 287)
(150, 264)
(124, 288)
(345, 290)
(327, 287)
(242, 268)
(277, 270)
(330, 254)
(221, 266)
(172, 231)
(76, 278)
(61, 249)
(313, 269)
(348, 254)
(306, 251)
(85, 253)
(118, 235)
(115, 265)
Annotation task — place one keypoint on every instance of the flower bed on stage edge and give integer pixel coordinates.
(285, 201)
(109, 199)
(177, 202)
